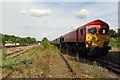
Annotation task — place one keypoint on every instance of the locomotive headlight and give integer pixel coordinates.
(89, 43)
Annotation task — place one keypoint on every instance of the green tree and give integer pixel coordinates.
(33, 40)
(18, 40)
(3, 40)
(12, 39)
(28, 40)
(113, 33)
(6, 37)
(118, 32)
(23, 41)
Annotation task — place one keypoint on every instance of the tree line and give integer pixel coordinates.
(15, 39)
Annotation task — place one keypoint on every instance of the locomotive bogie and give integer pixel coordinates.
(97, 51)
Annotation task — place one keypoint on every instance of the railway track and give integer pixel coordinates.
(13, 55)
(18, 52)
(110, 65)
(68, 65)
(14, 52)
(16, 69)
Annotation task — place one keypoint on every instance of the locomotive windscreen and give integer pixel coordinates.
(92, 30)
(103, 30)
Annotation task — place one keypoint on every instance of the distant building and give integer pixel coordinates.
(38, 43)
(17, 43)
(10, 44)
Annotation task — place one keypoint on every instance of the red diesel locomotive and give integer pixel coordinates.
(91, 39)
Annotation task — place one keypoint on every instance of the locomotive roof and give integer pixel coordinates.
(97, 22)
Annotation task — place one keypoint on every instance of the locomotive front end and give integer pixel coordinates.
(97, 40)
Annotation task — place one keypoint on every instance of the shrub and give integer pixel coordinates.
(114, 42)
(45, 43)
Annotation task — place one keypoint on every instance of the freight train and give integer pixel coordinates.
(91, 39)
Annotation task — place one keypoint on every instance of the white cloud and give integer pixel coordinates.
(83, 13)
(47, 33)
(37, 12)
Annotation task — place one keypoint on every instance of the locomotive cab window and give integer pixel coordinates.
(103, 30)
(82, 31)
(92, 30)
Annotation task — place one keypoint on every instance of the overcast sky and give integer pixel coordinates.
(53, 19)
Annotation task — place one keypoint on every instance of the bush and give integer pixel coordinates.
(114, 42)
(45, 43)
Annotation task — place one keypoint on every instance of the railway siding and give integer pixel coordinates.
(10, 65)
(48, 63)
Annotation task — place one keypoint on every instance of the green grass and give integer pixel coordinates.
(11, 64)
